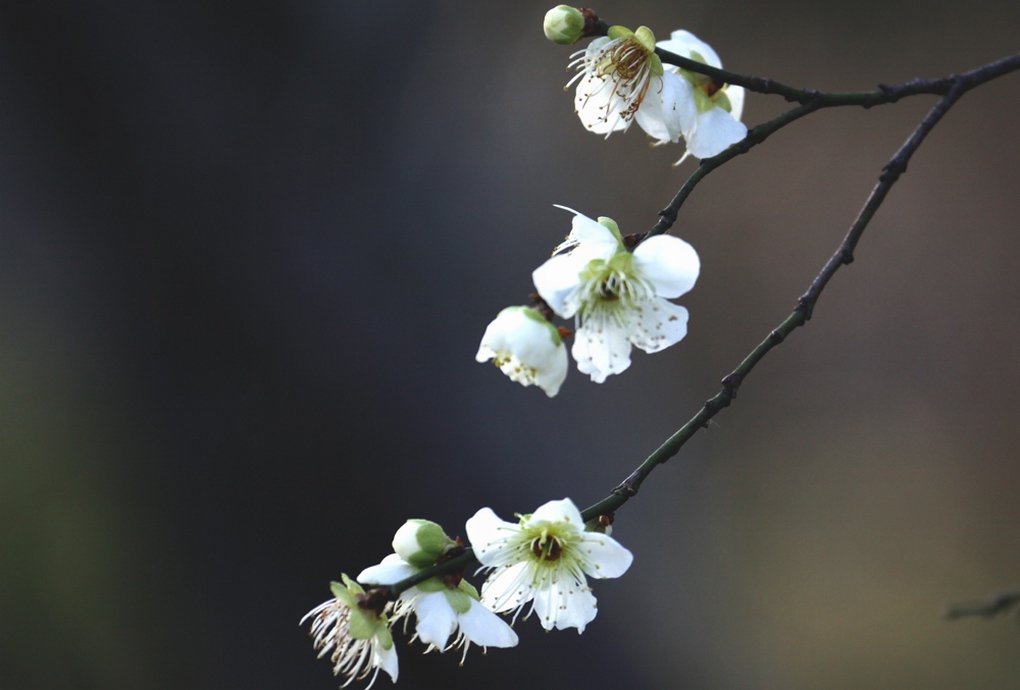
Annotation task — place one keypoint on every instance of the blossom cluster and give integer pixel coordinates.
(618, 293)
(540, 563)
(618, 298)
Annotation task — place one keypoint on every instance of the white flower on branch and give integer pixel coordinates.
(527, 348)
(619, 298)
(621, 80)
(442, 606)
(356, 637)
(545, 559)
(716, 125)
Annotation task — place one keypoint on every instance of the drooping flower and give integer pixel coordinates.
(527, 348)
(442, 605)
(545, 559)
(357, 638)
(619, 298)
(621, 80)
(716, 125)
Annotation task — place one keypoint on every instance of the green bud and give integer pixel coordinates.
(563, 25)
(421, 542)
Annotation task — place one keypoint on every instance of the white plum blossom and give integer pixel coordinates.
(621, 80)
(716, 125)
(527, 348)
(357, 638)
(441, 608)
(545, 559)
(618, 298)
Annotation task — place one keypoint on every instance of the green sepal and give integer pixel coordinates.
(646, 38)
(622, 262)
(469, 589)
(362, 627)
(692, 77)
(615, 32)
(458, 600)
(383, 634)
(613, 227)
(698, 57)
(723, 101)
(702, 102)
(346, 591)
(433, 584)
(655, 64)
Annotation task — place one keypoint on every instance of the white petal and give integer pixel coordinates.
(566, 604)
(736, 96)
(716, 132)
(658, 325)
(597, 106)
(386, 659)
(606, 556)
(484, 528)
(485, 628)
(600, 349)
(558, 511)
(551, 376)
(684, 43)
(436, 618)
(509, 588)
(558, 282)
(668, 263)
(594, 235)
(392, 569)
(667, 105)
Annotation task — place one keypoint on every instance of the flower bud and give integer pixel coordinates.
(421, 542)
(564, 25)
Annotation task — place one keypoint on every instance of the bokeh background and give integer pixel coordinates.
(246, 255)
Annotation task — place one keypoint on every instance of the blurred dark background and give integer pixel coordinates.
(246, 255)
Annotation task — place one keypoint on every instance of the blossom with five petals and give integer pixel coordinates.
(619, 298)
(621, 80)
(545, 559)
(716, 125)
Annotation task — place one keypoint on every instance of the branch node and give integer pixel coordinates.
(731, 383)
(806, 305)
(892, 170)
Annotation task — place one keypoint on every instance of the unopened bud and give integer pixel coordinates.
(564, 25)
(421, 542)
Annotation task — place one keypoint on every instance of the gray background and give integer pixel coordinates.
(246, 255)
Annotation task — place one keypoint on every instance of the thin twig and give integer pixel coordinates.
(891, 172)
(819, 99)
(988, 608)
